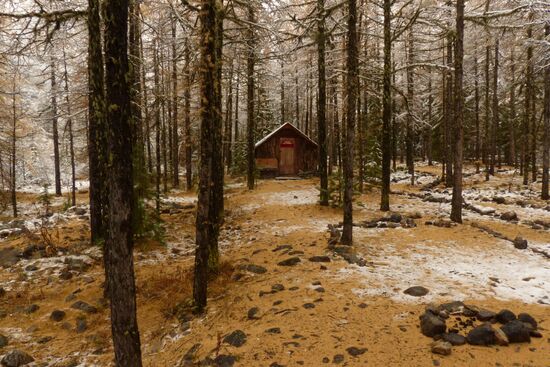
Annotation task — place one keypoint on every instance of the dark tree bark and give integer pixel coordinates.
(250, 61)
(351, 92)
(410, 97)
(429, 132)
(175, 110)
(486, 128)
(55, 131)
(13, 157)
(228, 130)
(512, 117)
(217, 176)
(237, 95)
(526, 149)
(208, 117)
(476, 112)
(140, 172)
(545, 195)
(456, 209)
(96, 126)
(386, 110)
(158, 123)
(187, 119)
(496, 122)
(321, 105)
(449, 119)
(69, 129)
(120, 236)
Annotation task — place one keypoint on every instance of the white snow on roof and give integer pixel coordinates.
(266, 138)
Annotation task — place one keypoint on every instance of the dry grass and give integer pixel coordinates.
(172, 288)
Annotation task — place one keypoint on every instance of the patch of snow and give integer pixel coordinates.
(449, 270)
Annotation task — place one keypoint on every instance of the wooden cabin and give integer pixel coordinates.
(286, 151)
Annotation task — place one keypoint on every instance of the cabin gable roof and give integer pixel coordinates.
(286, 125)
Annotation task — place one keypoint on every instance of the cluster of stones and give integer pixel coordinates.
(482, 325)
(394, 220)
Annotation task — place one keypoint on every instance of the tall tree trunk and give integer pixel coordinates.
(208, 116)
(410, 97)
(120, 238)
(321, 105)
(228, 135)
(55, 131)
(429, 132)
(545, 195)
(456, 209)
(386, 110)
(351, 93)
(175, 110)
(512, 116)
(527, 113)
(134, 79)
(187, 119)
(69, 129)
(495, 125)
(486, 142)
(158, 123)
(13, 157)
(449, 120)
(476, 112)
(217, 178)
(250, 126)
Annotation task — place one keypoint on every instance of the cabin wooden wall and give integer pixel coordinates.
(305, 152)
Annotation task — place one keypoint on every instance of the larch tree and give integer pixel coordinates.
(456, 207)
(120, 238)
(351, 95)
(386, 110)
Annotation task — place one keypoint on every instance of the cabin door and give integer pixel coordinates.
(286, 163)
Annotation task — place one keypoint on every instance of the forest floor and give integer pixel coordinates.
(306, 313)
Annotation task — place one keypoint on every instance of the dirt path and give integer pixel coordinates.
(306, 314)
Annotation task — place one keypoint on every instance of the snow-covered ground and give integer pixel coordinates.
(450, 270)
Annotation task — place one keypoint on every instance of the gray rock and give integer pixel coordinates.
(252, 313)
(224, 360)
(454, 338)
(441, 347)
(273, 330)
(520, 243)
(83, 306)
(320, 259)
(338, 358)
(290, 261)
(236, 339)
(81, 325)
(308, 306)
(277, 288)
(416, 291)
(354, 351)
(432, 325)
(517, 332)
(505, 316)
(525, 317)
(485, 315)
(509, 216)
(16, 358)
(252, 268)
(481, 335)
(57, 315)
(501, 338)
